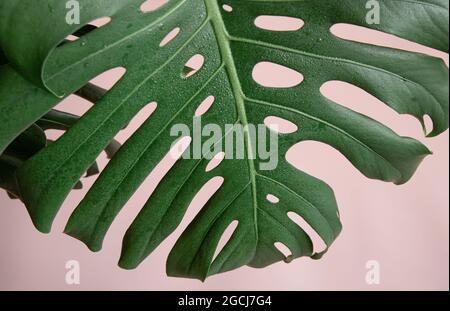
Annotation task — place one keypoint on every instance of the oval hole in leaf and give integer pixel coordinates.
(78, 104)
(283, 249)
(109, 78)
(179, 147)
(227, 8)
(54, 135)
(272, 199)
(279, 23)
(170, 37)
(193, 65)
(280, 125)
(366, 35)
(205, 106)
(152, 5)
(273, 75)
(137, 121)
(91, 26)
(318, 243)
(100, 22)
(169, 160)
(72, 38)
(81, 101)
(215, 161)
(225, 238)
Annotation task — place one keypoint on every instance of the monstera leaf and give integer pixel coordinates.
(42, 69)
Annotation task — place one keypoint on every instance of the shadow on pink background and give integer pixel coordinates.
(404, 228)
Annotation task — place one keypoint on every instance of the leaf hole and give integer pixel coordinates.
(81, 101)
(100, 22)
(227, 8)
(109, 78)
(322, 161)
(169, 160)
(95, 90)
(179, 147)
(215, 161)
(318, 244)
(152, 5)
(273, 75)
(193, 65)
(279, 23)
(280, 125)
(53, 134)
(367, 35)
(205, 106)
(201, 198)
(170, 37)
(358, 100)
(272, 199)
(137, 121)
(151, 182)
(77, 104)
(86, 29)
(72, 38)
(225, 238)
(285, 251)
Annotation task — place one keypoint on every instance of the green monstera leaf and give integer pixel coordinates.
(42, 68)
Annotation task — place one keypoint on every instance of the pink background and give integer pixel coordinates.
(405, 228)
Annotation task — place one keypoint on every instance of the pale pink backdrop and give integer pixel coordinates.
(404, 228)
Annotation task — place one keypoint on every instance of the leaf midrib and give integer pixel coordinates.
(223, 41)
